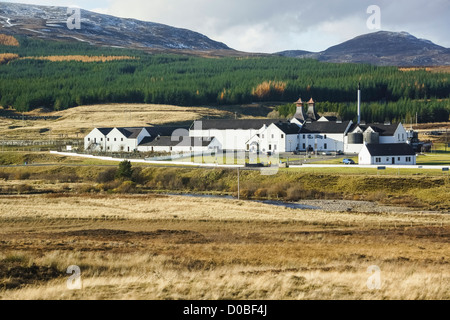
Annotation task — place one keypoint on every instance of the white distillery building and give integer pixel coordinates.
(387, 154)
(232, 135)
(125, 139)
(305, 132)
(277, 137)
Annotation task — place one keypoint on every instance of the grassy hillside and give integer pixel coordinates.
(26, 84)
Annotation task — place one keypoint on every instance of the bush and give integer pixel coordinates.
(261, 193)
(22, 175)
(106, 176)
(126, 187)
(294, 193)
(4, 175)
(24, 188)
(125, 171)
(278, 190)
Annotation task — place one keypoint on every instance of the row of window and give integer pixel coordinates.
(273, 136)
(378, 159)
(101, 139)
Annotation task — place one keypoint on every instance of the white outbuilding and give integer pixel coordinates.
(387, 154)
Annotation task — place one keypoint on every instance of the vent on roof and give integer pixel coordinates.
(387, 123)
(363, 123)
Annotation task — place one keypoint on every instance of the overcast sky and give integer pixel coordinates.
(276, 25)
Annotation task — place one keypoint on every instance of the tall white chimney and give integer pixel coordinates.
(359, 102)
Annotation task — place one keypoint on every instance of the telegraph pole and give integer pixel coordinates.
(239, 187)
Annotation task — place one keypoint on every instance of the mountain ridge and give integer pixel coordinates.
(50, 22)
(383, 48)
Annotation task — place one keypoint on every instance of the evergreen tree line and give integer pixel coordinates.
(186, 80)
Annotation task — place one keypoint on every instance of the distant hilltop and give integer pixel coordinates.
(381, 48)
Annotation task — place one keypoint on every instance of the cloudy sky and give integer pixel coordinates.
(276, 25)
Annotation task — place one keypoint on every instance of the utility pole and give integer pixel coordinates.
(239, 187)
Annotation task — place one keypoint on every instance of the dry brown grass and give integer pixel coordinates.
(82, 58)
(172, 247)
(76, 122)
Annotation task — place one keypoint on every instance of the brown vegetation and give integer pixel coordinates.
(7, 57)
(6, 40)
(172, 247)
(82, 58)
(268, 88)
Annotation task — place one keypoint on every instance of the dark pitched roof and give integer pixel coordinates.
(382, 129)
(243, 124)
(130, 133)
(288, 128)
(325, 127)
(164, 141)
(164, 130)
(105, 131)
(390, 149)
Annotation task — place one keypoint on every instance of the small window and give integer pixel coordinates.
(121, 139)
(89, 139)
(325, 146)
(263, 136)
(398, 158)
(282, 136)
(272, 136)
(304, 136)
(304, 146)
(107, 139)
(101, 139)
(270, 147)
(115, 139)
(324, 136)
(387, 158)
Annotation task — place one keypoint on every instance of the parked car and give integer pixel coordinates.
(326, 153)
(348, 161)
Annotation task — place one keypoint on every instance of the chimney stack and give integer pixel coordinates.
(359, 103)
(299, 112)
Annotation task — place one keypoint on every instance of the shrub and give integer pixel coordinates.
(125, 171)
(261, 193)
(22, 175)
(294, 193)
(24, 188)
(277, 190)
(4, 175)
(126, 187)
(107, 175)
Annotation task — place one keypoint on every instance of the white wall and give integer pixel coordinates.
(366, 159)
(95, 141)
(228, 139)
(117, 142)
(323, 141)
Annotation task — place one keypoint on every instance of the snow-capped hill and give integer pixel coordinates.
(50, 22)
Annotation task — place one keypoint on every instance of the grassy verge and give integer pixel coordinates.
(427, 189)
